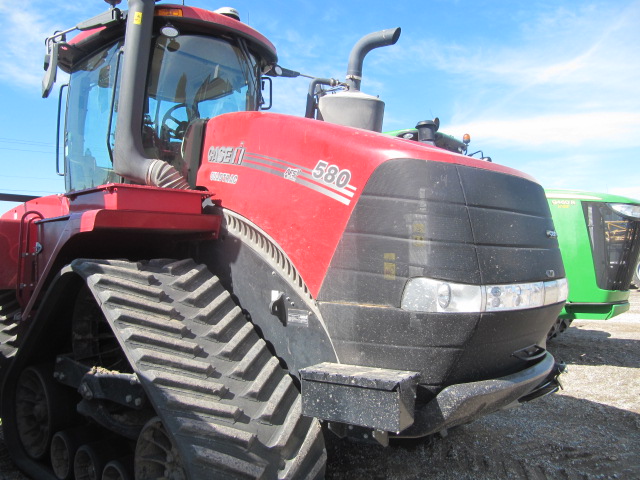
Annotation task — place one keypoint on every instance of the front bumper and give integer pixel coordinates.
(594, 311)
(330, 392)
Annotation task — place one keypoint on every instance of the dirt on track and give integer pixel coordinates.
(589, 430)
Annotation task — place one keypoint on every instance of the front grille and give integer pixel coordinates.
(615, 245)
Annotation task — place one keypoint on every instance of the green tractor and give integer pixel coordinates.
(599, 237)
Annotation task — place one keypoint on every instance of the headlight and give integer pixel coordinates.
(428, 295)
(626, 210)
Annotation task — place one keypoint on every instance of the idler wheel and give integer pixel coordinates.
(64, 446)
(156, 454)
(121, 469)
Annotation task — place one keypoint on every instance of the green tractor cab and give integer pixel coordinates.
(599, 236)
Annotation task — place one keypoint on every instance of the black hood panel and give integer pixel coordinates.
(444, 221)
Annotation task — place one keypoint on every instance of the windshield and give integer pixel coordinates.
(193, 77)
(90, 126)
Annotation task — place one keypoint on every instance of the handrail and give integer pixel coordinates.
(23, 252)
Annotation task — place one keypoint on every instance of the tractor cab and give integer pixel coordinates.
(199, 65)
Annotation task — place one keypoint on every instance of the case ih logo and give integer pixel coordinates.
(231, 155)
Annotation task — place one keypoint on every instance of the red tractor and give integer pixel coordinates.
(219, 283)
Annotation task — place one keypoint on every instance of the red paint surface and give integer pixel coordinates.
(200, 14)
(110, 207)
(305, 223)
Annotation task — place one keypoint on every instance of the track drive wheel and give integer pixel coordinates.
(40, 410)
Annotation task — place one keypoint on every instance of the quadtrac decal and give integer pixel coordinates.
(325, 178)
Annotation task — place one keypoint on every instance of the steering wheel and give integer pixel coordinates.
(172, 126)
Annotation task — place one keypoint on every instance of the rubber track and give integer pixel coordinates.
(9, 307)
(232, 411)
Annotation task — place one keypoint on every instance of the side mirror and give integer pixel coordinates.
(278, 71)
(50, 66)
(266, 93)
(53, 43)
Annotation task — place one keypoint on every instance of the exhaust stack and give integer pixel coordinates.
(352, 108)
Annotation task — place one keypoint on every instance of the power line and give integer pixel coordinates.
(24, 150)
(32, 191)
(26, 142)
(28, 177)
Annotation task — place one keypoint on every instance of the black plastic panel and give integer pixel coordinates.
(443, 221)
(493, 190)
(395, 339)
(445, 348)
(511, 224)
(497, 337)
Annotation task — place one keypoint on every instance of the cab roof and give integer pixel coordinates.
(188, 19)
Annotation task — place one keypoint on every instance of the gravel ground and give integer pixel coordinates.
(589, 430)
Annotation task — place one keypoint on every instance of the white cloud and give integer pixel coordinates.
(28, 24)
(571, 129)
(631, 192)
(560, 61)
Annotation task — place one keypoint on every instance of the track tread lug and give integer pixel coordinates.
(119, 301)
(174, 267)
(261, 382)
(9, 326)
(175, 362)
(292, 421)
(277, 399)
(229, 464)
(114, 268)
(151, 321)
(131, 287)
(225, 325)
(190, 404)
(251, 359)
(294, 466)
(204, 294)
(234, 347)
(161, 341)
(192, 277)
(190, 384)
(225, 433)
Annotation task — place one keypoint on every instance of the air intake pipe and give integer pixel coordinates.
(129, 159)
(353, 108)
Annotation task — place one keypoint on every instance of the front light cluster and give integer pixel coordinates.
(428, 295)
(626, 210)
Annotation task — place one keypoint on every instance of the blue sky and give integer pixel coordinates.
(547, 87)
